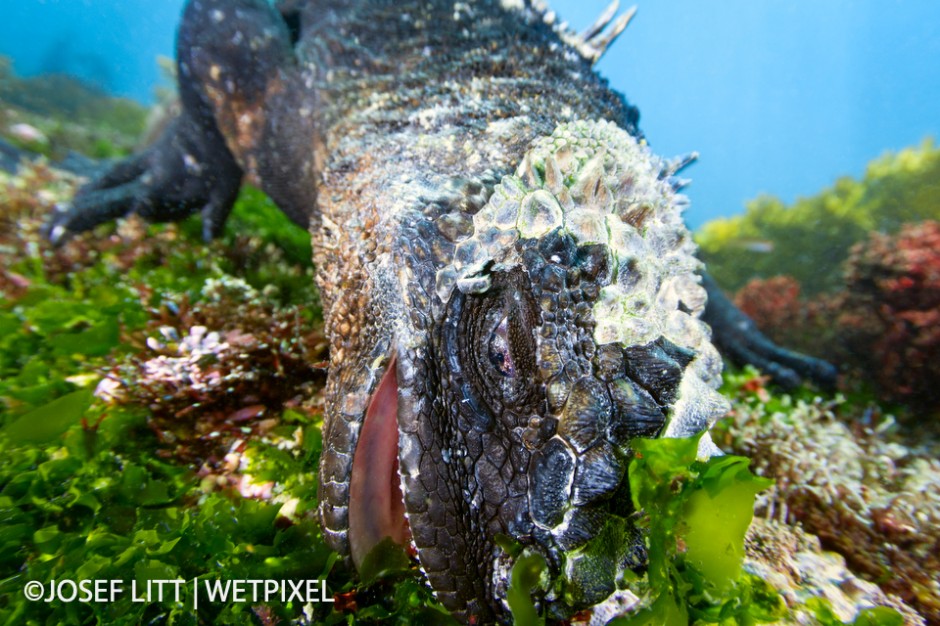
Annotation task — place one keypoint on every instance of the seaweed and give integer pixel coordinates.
(695, 515)
(881, 328)
(92, 488)
(782, 312)
(890, 317)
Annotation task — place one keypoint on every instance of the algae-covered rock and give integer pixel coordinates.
(816, 584)
(843, 473)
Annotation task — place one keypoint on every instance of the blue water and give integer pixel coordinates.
(778, 97)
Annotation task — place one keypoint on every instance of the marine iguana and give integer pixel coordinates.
(509, 292)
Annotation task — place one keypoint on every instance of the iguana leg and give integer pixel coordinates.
(237, 81)
(738, 338)
(188, 169)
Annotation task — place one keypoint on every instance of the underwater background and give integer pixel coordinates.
(777, 97)
(160, 397)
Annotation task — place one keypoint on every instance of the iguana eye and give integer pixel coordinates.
(488, 343)
(499, 353)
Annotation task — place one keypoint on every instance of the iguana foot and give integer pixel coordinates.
(187, 169)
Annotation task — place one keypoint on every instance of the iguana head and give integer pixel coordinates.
(565, 326)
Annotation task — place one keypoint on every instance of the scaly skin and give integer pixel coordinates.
(509, 292)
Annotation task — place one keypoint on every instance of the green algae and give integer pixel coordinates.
(87, 490)
(695, 515)
(528, 574)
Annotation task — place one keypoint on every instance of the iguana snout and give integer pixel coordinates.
(565, 326)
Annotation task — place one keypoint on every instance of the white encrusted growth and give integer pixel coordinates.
(539, 214)
(602, 186)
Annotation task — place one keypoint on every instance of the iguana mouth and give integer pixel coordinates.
(376, 506)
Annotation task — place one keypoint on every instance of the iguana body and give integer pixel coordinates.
(506, 283)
